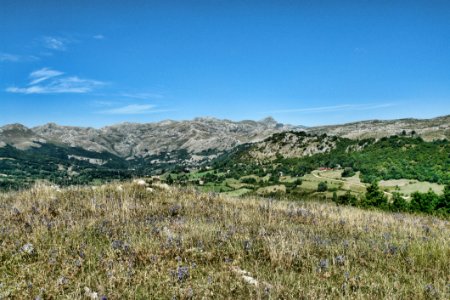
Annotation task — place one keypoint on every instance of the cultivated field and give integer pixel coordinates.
(129, 241)
(407, 187)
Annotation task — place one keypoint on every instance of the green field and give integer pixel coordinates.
(333, 178)
(407, 187)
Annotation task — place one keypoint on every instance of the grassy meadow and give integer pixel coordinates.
(130, 241)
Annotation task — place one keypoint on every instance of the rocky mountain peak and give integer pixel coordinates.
(269, 121)
(14, 127)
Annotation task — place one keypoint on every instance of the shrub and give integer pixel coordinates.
(443, 203)
(424, 202)
(374, 197)
(398, 203)
(348, 172)
(346, 199)
(248, 180)
(322, 186)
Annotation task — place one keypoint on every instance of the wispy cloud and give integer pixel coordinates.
(343, 107)
(42, 75)
(132, 109)
(48, 81)
(7, 57)
(103, 103)
(142, 96)
(55, 43)
(99, 37)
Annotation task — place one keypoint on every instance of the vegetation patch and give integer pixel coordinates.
(129, 242)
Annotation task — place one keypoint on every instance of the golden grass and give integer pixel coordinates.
(127, 242)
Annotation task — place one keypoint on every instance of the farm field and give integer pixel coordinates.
(407, 187)
(309, 184)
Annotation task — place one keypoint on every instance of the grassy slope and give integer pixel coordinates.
(131, 243)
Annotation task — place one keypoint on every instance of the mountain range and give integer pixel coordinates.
(132, 140)
(201, 135)
(68, 153)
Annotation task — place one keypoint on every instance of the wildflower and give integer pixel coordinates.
(247, 245)
(117, 245)
(62, 280)
(182, 273)
(91, 294)
(190, 292)
(346, 244)
(15, 211)
(78, 263)
(391, 249)
(302, 212)
(340, 260)
(431, 291)
(344, 288)
(347, 276)
(228, 260)
(323, 264)
(174, 210)
(120, 245)
(28, 248)
(52, 261)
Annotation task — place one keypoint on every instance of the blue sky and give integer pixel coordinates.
(95, 63)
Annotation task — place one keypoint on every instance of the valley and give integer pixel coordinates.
(265, 159)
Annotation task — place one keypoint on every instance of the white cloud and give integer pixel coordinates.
(99, 36)
(43, 74)
(343, 107)
(55, 43)
(7, 57)
(102, 103)
(48, 81)
(142, 96)
(132, 109)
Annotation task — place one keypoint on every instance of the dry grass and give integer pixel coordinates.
(121, 243)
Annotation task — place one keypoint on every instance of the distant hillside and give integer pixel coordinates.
(61, 165)
(298, 153)
(428, 129)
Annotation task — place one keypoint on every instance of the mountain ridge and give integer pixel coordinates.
(202, 134)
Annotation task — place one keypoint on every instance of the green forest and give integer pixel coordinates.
(392, 157)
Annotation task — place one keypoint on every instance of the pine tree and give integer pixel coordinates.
(374, 197)
(443, 203)
(398, 203)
